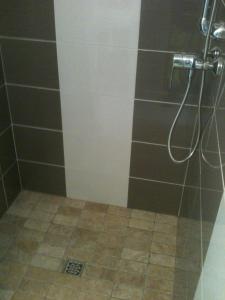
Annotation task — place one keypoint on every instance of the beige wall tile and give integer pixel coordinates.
(162, 260)
(150, 294)
(162, 248)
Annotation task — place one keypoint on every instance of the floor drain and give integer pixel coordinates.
(74, 267)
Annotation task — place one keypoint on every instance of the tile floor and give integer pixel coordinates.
(129, 254)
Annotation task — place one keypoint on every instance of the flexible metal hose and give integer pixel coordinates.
(192, 151)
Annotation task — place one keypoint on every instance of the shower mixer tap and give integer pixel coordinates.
(213, 62)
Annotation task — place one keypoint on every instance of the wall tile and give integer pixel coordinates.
(3, 206)
(172, 25)
(4, 111)
(152, 122)
(153, 162)
(12, 183)
(27, 18)
(30, 63)
(39, 145)
(153, 80)
(35, 107)
(7, 151)
(43, 178)
(1, 71)
(154, 196)
(99, 22)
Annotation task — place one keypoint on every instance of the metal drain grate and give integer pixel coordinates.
(74, 267)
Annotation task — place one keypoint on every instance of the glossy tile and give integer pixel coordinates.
(12, 183)
(153, 162)
(7, 150)
(33, 107)
(152, 122)
(21, 19)
(4, 113)
(43, 178)
(176, 23)
(44, 145)
(30, 63)
(154, 196)
(99, 22)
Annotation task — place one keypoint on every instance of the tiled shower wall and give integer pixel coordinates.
(9, 176)
(27, 30)
(166, 27)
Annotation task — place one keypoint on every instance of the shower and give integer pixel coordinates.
(211, 60)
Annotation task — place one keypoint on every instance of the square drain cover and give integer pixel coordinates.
(74, 267)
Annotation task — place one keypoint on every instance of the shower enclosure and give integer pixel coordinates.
(89, 90)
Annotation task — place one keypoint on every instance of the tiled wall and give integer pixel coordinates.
(156, 183)
(27, 31)
(202, 197)
(9, 175)
(97, 45)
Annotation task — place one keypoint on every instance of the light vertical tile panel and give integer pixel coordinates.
(97, 44)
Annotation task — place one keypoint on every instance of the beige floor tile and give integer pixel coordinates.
(22, 251)
(162, 248)
(132, 266)
(58, 292)
(102, 287)
(69, 211)
(96, 207)
(65, 220)
(166, 219)
(47, 262)
(34, 287)
(37, 225)
(150, 294)
(92, 220)
(48, 206)
(30, 234)
(114, 222)
(119, 211)
(41, 215)
(40, 274)
(84, 253)
(142, 214)
(133, 280)
(19, 295)
(141, 224)
(49, 250)
(166, 228)
(23, 212)
(11, 274)
(6, 294)
(122, 291)
(76, 203)
(162, 260)
(165, 238)
(57, 229)
(113, 240)
(160, 284)
(160, 272)
(107, 257)
(56, 240)
(135, 255)
(93, 296)
(100, 272)
(138, 239)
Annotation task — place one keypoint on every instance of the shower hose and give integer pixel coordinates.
(190, 76)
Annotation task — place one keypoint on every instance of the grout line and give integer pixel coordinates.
(159, 51)
(37, 128)
(40, 163)
(10, 114)
(32, 87)
(153, 180)
(7, 37)
(172, 183)
(172, 103)
(158, 144)
(9, 168)
(5, 130)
